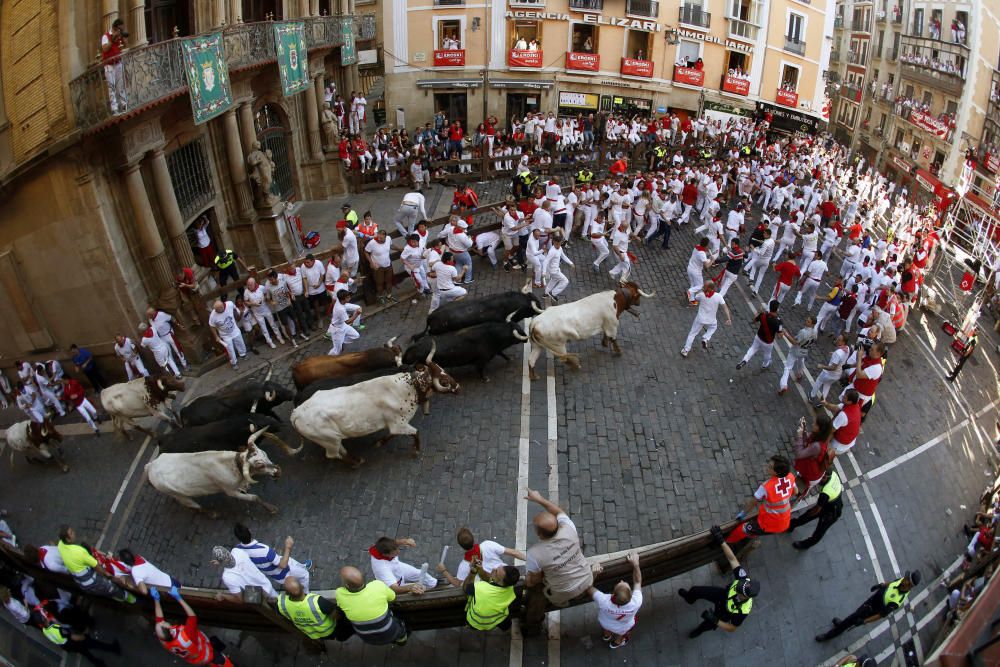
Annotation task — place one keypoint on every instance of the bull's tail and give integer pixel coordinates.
(417, 336)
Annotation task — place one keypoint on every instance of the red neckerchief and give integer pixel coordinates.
(377, 555)
(698, 247)
(139, 560)
(474, 552)
(148, 333)
(708, 294)
(456, 230)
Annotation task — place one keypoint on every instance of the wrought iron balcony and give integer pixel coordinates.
(950, 84)
(587, 5)
(694, 15)
(644, 8)
(795, 45)
(838, 23)
(835, 56)
(155, 72)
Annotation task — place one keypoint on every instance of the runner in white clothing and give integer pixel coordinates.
(555, 281)
(341, 331)
(159, 348)
(226, 330)
(255, 296)
(394, 573)
(709, 301)
(616, 611)
(163, 325)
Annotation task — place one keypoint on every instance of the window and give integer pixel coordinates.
(899, 138)
(928, 98)
(688, 53)
(790, 78)
(448, 34)
(526, 35)
(961, 27)
(191, 177)
(637, 44)
(918, 22)
(868, 114)
(881, 42)
(796, 27)
(162, 16)
(881, 123)
(738, 64)
(951, 107)
(583, 38)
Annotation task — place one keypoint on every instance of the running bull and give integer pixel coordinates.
(38, 442)
(207, 409)
(325, 366)
(386, 403)
(472, 346)
(599, 313)
(229, 433)
(470, 312)
(347, 381)
(184, 476)
(141, 397)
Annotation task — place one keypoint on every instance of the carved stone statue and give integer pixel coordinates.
(331, 131)
(262, 173)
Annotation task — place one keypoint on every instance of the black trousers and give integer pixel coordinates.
(96, 378)
(827, 517)
(84, 646)
(711, 594)
(870, 607)
(958, 367)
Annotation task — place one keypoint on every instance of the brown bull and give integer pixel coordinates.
(325, 366)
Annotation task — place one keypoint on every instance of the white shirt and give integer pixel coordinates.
(147, 573)
(615, 618)
(389, 572)
(619, 240)
(415, 199)
(17, 610)
(126, 350)
(708, 306)
(161, 323)
(293, 282)
(553, 258)
(697, 261)
(380, 252)
(510, 222)
(412, 256)
(51, 560)
(244, 573)
(225, 322)
(314, 277)
(446, 274)
(541, 220)
(816, 269)
(459, 242)
(256, 300)
(491, 554)
(350, 244)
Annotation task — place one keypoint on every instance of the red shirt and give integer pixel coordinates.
(828, 208)
(618, 167)
(74, 393)
(468, 199)
(788, 271)
(689, 195)
(456, 134)
(855, 232)
(114, 51)
(188, 279)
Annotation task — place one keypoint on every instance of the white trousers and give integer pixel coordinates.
(411, 575)
(826, 311)
(89, 414)
(727, 281)
(765, 350)
(445, 296)
(341, 336)
(234, 345)
(601, 246)
(265, 319)
(622, 270)
(695, 281)
(795, 363)
(139, 366)
(780, 290)
(557, 282)
(756, 268)
(696, 327)
(419, 276)
(49, 398)
(822, 385)
(169, 338)
(808, 290)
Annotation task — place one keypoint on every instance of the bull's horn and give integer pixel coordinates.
(430, 355)
(511, 316)
(535, 307)
(518, 335)
(647, 295)
(391, 341)
(284, 445)
(256, 436)
(269, 396)
(527, 287)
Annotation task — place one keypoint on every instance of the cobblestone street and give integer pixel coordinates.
(648, 446)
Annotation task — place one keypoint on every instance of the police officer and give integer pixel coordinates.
(225, 264)
(707, 154)
(314, 615)
(656, 157)
(827, 510)
(523, 183)
(732, 604)
(885, 599)
(852, 660)
(350, 215)
(583, 177)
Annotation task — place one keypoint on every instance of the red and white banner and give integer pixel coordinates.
(924, 179)
(925, 121)
(634, 67)
(826, 108)
(901, 164)
(449, 58)
(524, 58)
(590, 62)
(689, 75)
(732, 84)
(787, 98)
(991, 162)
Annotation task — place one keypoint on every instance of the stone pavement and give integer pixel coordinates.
(648, 446)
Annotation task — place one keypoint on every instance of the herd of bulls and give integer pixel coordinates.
(214, 449)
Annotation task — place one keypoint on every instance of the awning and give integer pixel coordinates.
(933, 184)
(541, 84)
(789, 120)
(449, 83)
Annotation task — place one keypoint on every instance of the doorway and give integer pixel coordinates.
(454, 106)
(162, 16)
(273, 134)
(519, 104)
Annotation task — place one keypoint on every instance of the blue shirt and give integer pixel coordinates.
(84, 358)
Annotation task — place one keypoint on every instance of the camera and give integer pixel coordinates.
(124, 33)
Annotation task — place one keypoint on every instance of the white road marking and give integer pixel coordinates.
(521, 520)
(553, 617)
(121, 490)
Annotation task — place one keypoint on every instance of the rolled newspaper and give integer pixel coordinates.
(444, 554)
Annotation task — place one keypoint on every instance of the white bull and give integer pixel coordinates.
(142, 397)
(596, 314)
(330, 416)
(190, 475)
(38, 442)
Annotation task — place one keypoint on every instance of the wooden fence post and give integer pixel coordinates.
(534, 611)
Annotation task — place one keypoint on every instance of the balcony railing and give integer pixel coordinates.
(156, 72)
(857, 59)
(587, 5)
(897, 18)
(950, 84)
(795, 45)
(838, 23)
(643, 8)
(849, 92)
(694, 16)
(835, 56)
(740, 29)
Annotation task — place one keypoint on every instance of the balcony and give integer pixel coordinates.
(449, 3)
(636, 67)
(742, 30)
(529, 59)
(880, 17)
(795, 45)
(861, 26)
(787, 98)
(648, 9)
(155, 72)
(696, 16)
(735, 85)
(587, 5)
(449, 58)
(857, 59)
(850, 93)
(689, 76)
(897, 18)
(950, 84)
(835, 56)
(838, 23)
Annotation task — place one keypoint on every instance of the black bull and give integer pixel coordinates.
(208, 409)
(472, 346)
(508, 306)
(229, 433)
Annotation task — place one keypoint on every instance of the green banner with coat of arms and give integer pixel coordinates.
(207, 75)
(293, 59)
(349, 50)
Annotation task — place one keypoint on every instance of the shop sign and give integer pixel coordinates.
(992, 162)
(449, 58)
(689, 75)
(787, 98)
(722, 107)
(661, 109)
(900, 163)
(596, 19)
(732, 84)
(578, 100)
(518, 58)
(788, 120)
(925, 182)
(927, 122)
(712, 39)
(634, 67)
(590, 62)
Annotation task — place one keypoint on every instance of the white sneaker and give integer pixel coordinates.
(271, 344)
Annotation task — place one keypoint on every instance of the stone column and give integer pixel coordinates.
(303, 8)
(170, 210)
(312, 124)
(218, 13)
(235, 11)
(137, 23)
(247, 129)
(237, 167)
(313, 7)
(110, 10)
(149, 236)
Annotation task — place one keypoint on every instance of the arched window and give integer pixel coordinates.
(272, 133)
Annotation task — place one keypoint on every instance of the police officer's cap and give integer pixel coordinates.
(748, 588)
(913, 576)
